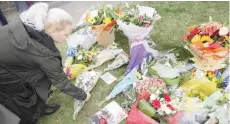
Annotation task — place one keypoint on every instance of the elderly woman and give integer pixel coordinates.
(30, 62)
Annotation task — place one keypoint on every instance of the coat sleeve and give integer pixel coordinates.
(53, 70)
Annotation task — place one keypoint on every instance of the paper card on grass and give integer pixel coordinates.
(108, 78)
(110, 114)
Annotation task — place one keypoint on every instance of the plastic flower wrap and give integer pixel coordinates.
(85, 38)
(120, 60)
(105, 55)
(209, 43)
(137, 22)
(160, 105)
(140, 51)
(72, 71)
(199, 85)
(103, 21)
(86, 80)
(169, 74)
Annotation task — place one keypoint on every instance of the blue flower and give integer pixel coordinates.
(71, 52)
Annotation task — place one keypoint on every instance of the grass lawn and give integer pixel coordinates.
(176, 17)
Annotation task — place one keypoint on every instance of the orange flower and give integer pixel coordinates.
(110, 25)
(118, 11)
(90, 57)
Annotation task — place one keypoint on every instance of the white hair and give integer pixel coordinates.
(40, 17)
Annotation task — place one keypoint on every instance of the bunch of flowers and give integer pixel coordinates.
(140, 16)
(162, 102)
(86, 57)
(202, 84)
(103, 18)
(144, 85)
(209, 43)
(159, 97)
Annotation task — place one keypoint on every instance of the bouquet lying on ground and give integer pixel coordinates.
(209, 43)
(202, 84)
(159, 104)
(86, 57)
(86, 80)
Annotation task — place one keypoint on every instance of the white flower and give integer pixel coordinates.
(158, 92)
(94, 13)
(153, 97)
(223, 31)
(79, 57)
(206, 44)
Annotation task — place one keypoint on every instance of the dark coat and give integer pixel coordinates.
(29, 61)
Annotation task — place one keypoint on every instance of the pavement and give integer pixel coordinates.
(77, 8)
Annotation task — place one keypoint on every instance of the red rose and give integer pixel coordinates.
(156, 103)
(167, 97)
(170, 107)
(102, 121)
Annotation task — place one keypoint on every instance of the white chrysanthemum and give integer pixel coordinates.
(223, 31)
(153, 97)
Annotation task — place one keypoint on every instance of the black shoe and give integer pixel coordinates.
(51, 108)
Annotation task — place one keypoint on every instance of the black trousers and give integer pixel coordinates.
(25, 100)
(3, 18)
(43, 89)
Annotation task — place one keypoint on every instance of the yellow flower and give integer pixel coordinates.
(206, 38)
(92, 21)
(196, 38)
(88, 17)
(138, 75)
(107, 20)
(211, 75)
(203, 96)
(214, 80)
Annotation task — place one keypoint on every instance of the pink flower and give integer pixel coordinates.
(156, 103)
(147, 25)
(141, 17)
(170, 107)
(184, 38)
(214, 45)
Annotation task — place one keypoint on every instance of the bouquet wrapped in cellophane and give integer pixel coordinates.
(103, 23)
(136, 23)
(86, 80)
(209, 44)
